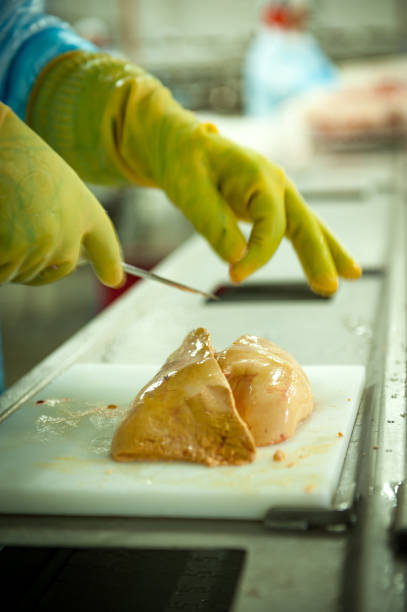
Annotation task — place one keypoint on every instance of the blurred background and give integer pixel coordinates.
(262, 71)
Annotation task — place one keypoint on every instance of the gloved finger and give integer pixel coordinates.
(104, 251)
(344, 262)
(9, 269)
(52, 273)
(215, 220)
(266, 209)
(29, 273)
(308, 240)
(33, 264)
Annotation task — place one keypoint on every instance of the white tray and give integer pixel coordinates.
(54, 456)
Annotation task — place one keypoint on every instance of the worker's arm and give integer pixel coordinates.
(116, 124)
(47, 215)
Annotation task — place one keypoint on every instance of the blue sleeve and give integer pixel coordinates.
(29, 40)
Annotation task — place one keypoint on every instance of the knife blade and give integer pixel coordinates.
(140, 272)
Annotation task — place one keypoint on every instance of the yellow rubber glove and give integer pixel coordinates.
(115, 123)
(47, 214)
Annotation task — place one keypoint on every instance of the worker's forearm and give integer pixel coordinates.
(110, 120)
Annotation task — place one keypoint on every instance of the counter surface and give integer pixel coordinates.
(351, 562)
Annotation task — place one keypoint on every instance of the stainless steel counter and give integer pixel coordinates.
(350, 558)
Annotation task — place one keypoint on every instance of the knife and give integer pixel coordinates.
(140, 272)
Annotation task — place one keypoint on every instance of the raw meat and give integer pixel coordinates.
(271, 390)
(186, 413)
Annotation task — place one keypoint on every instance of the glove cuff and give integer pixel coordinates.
(76, 107)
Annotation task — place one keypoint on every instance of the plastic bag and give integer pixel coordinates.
(282, 62)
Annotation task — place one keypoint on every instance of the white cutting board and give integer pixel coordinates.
(54, 455)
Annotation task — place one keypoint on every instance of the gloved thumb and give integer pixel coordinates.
(101, 247)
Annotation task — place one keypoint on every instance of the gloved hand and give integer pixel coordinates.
(113, 122)
(47, 214)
